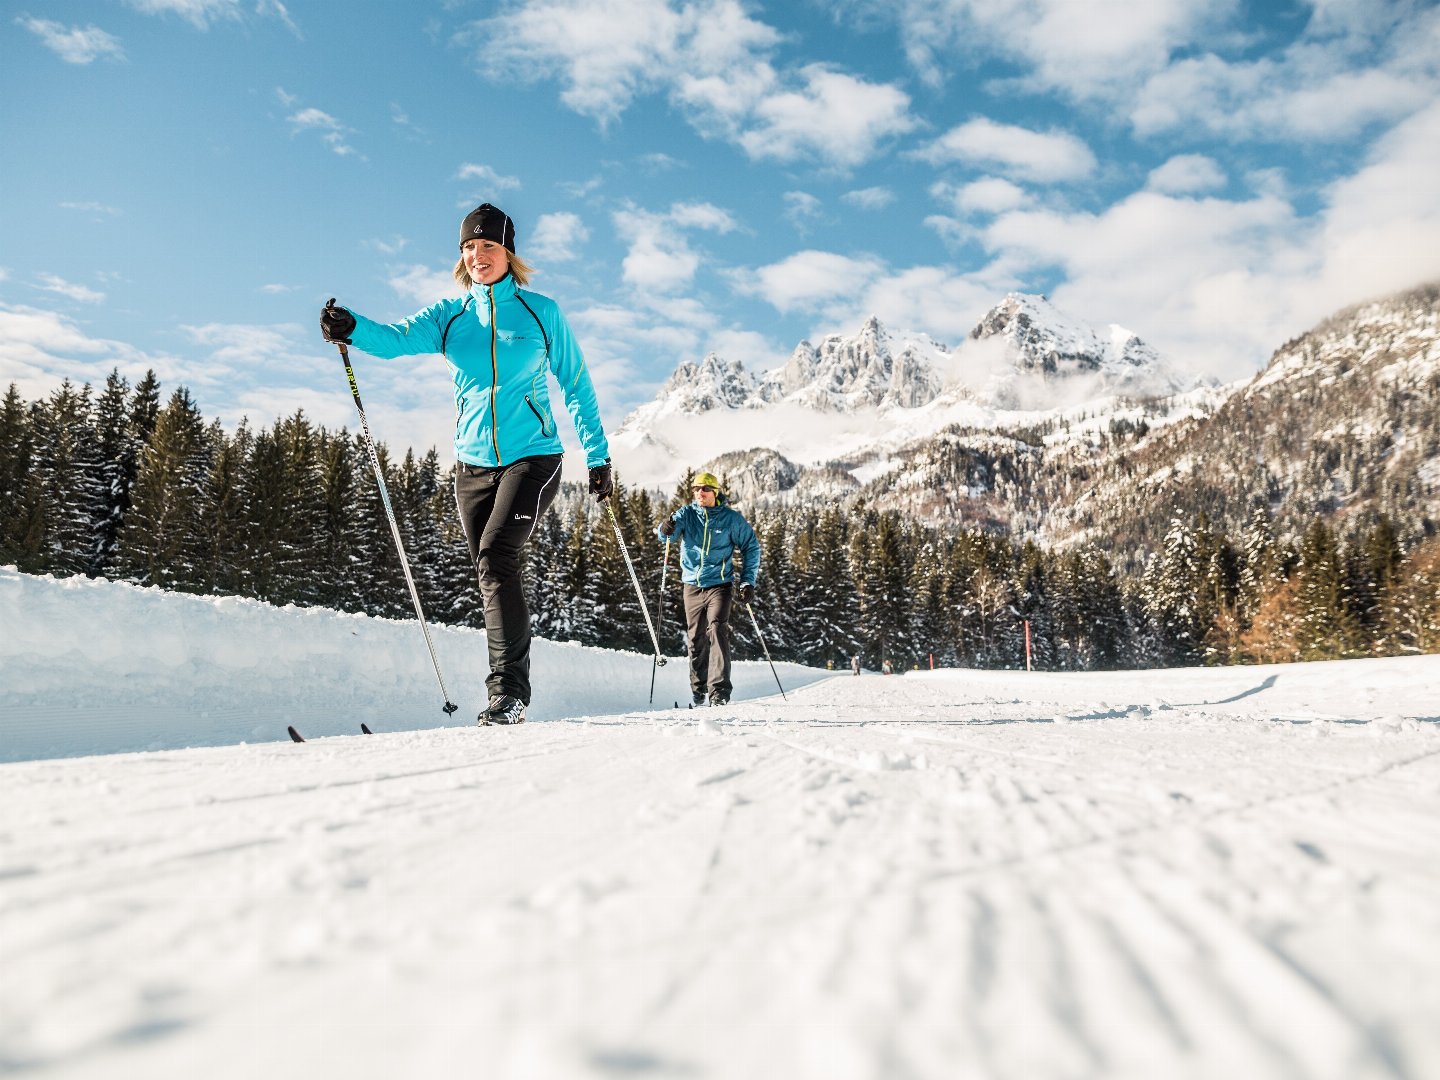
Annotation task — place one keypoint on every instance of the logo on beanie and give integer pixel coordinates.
(478, 229)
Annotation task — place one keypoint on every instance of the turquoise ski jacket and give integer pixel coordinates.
(710, 541)
(499, 342)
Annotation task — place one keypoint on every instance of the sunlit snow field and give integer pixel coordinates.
(1227, 873)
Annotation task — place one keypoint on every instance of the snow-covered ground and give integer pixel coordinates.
(1202, 873)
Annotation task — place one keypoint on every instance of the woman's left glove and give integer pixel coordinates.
(747, 593)
(336, 324)
(602, 482)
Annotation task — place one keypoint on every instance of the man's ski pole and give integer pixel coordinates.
(450, 706)
(659, 617)
(625, 551)
(756, 623)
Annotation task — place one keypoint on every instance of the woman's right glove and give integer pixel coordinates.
(602, 481)
(336, 324)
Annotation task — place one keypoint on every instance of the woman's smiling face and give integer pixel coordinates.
(486, 260)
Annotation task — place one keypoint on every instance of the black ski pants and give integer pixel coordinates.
(499, 508)
(707, 625)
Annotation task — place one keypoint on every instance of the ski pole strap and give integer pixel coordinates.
(625, 551)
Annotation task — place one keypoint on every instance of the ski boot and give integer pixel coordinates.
(503, 709)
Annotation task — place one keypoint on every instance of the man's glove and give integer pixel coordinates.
(336, 324)
(667, 527)
(602, 482)
(747, 593)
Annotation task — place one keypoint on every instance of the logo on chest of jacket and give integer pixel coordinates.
(523, 517)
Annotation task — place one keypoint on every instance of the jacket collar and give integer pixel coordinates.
(504, 289)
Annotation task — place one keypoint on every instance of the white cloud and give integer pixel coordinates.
(401, 119)
(557, 237)
(332, 132)
(659, 259)
(801, 209)
(870, 198)
(39, 348)
(835, 117)
(421, 286)
(486, 175)
(952, 231)
(91, 208)
(1354, 66)
(932, 299)
(79, 293)
(198, 13)
(1187, 174)
(1382, 224)
(277, 289)
(711, 60)
(988, 195)
(1082, 49)
(74, 44)
(702, 216)
(1045, 157)
(808, 280)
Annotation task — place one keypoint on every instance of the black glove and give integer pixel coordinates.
(336, 324)
(602, 481)
(667, 527)
(747, 593)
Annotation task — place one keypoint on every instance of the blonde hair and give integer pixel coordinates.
(520, 270)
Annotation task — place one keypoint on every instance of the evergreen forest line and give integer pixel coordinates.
(114, 484)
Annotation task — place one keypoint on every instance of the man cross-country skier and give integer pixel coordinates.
(712, 536)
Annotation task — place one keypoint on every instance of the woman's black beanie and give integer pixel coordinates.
(488, 222)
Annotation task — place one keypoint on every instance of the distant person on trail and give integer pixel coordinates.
(855, 663)
(712, 536)
(499, 340)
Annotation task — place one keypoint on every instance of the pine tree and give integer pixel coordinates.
(1175, 595)
(223, 508)
(67, 466)
(115, 446)
(162, 536)
(21, 507)
(1327, 628)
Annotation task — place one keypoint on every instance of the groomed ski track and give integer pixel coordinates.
(1219, 873)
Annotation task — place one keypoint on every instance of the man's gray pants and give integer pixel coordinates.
(707, 625)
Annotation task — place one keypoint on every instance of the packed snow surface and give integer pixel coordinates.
(1229, 873)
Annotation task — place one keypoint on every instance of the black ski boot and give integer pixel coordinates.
(697, 699)
(503, 709)
(718, 697)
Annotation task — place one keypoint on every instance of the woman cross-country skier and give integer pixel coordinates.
(499, 340)
(712, 535)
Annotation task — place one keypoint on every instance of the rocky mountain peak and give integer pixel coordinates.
(712, 383)
(1044, 342)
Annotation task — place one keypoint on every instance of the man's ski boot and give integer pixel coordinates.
(503, 709)
(718, 697)
(697, 699)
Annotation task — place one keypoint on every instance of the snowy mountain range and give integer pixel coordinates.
(1037, 422)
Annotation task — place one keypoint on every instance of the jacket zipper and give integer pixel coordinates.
(537, 415)
(705, 547)
(494, 379)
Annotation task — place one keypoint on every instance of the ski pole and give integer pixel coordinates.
(625, 551)
(659, 616)
(450, 706)
(756, 623)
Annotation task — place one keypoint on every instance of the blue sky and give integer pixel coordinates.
(184, 182)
